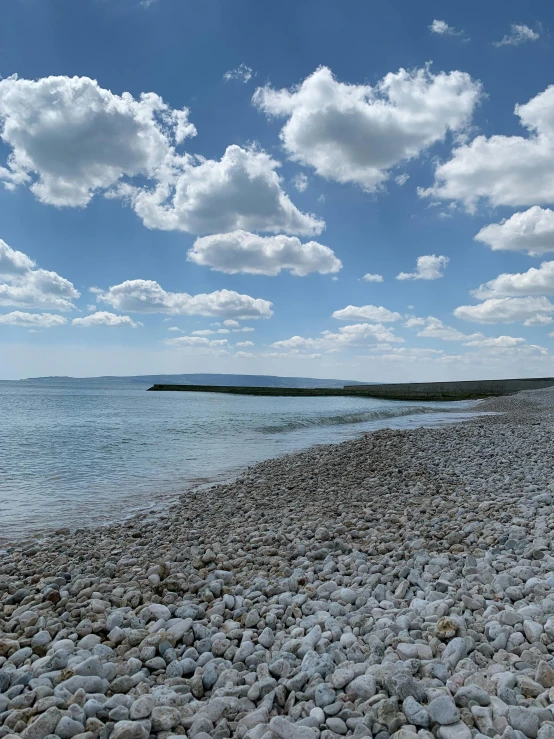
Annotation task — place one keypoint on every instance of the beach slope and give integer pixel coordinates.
(397, 585)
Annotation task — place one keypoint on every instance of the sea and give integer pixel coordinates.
(77, 453)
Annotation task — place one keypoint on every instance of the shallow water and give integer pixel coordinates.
(86, 452)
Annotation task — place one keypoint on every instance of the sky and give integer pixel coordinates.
(325, 189)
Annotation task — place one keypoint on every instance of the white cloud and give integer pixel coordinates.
(13, 262)
(541, 319)
(27, 286)
(506, 310)
(429, 267)
(33, 320)
(245, 355)
(231, 323)
(244, 252)
(197, 342)
(531, 231)
(354, 335)
(173, 328)
(504, 170)
(147, 296)
(414, 321)
(242, 73)
(245, 343)
(244, 329)
(402, 179)
(497, 342)
(356, 133)
(536, 281)
(372, 277)
(366, 313)
(442, 28)
(203, 332)
(435, 329)
(406, 354)
(241, 191)
(103, 318)
(71, 138)
(520, 33)
(300, 182)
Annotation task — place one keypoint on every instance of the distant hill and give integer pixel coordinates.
(211, 379)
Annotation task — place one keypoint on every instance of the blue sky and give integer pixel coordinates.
(190, 187)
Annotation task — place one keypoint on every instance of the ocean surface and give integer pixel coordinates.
(86, 452)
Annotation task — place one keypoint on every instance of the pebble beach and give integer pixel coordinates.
(396, 586)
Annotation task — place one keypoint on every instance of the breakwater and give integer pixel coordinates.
(457, 390)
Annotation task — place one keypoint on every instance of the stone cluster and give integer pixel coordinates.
(397, 586)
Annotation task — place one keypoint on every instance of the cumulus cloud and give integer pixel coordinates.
(504, 170)
(357, 133)
(147, 296)
(242, 73)
(497, 342)
(231, 323)
(300, 182)
(367, 313)
(436, 329)
(104, 318)
(198, 342)
(13, 262)
(536, 281)
(27, 286)
(372, 277)
(519, 34)
(443, 29)
(531, 231)
(241, 191)
(429, 267)
(245, 343)
(414, 321)
(31, 320)
(71, 138)
(241, 251)
(506, 310)
(354, 335)
(245, 355)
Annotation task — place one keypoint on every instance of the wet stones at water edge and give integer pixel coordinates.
(397, 586)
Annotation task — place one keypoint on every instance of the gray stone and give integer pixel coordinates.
(443, 711)
(415, 712)
(142, 707)
(67, 728)
(287, 730)
(324, 695)
(524, 720)
(458, 730)
(469, 693)
(164, 718)
(131, 730)
(43, 725)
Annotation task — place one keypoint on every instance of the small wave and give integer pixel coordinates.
(378, 414)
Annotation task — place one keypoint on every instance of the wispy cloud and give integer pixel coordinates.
(242, 73)
(520, 33)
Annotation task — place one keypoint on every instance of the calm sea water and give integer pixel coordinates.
(76, 453)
